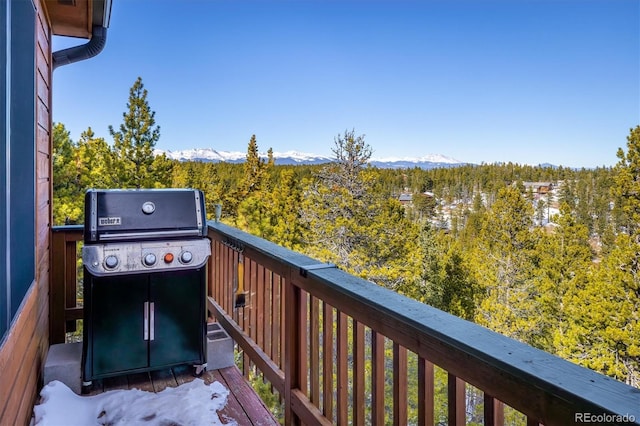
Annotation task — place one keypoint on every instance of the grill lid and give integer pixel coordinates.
(143, 214)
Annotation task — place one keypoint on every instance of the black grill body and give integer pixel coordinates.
(145, 254)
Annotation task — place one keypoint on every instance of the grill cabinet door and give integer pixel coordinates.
(179, 319)
(117, 314)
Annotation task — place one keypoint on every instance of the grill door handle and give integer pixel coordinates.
(152, 321)
(146, 321)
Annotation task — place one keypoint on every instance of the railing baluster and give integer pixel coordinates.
(377, 379)
(284, 282)
(268, 312)
(342, 403)
(250, 288)
(259, 305)
(303, 327)
(327, 361)
(426, 408)
(314, 349)
(228, 284)
(277, 320)
(456, 401)
(493, 411)
(358, 373)
(399, 384)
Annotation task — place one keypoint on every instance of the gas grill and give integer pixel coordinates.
(144, 256)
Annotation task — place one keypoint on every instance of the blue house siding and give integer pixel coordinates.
(22, 145)
(24, 310)
(17, 144)
(4, 159)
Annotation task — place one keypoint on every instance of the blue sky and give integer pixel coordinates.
(528, 81)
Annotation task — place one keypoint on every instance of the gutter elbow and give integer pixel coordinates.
(84, 51)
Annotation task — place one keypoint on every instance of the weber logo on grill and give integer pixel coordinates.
(109, 221)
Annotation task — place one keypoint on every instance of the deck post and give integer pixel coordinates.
(292, 348)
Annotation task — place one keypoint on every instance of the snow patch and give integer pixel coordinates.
(193, 403)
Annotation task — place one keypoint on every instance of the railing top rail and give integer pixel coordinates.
(67, 228)
(531, 380)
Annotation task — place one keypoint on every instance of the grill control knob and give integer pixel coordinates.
(149, 259)
(186, 257)
(111, 262)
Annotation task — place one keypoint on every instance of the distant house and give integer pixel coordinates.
(538, 187)
(405, 198)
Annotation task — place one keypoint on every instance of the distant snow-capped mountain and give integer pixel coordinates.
(300, 158)
(427, 162)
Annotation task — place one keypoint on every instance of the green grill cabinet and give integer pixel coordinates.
(143, 322)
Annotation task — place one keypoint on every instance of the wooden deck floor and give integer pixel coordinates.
(243, 404)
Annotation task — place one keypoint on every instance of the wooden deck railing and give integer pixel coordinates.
(342, 350)
(63, 309)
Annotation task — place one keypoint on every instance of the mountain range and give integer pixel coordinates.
(300, 158)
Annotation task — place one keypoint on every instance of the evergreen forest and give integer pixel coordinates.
(558, 270)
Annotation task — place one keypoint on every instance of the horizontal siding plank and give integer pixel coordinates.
(13, 354)
(42, 89)
(42, 249)
(42, 65)
(38, 340)
(43, 168)
(43, 117)
(42, 200)
(43, 144)
(42, 36)
(27, 397)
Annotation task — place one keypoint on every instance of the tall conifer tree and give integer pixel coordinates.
(134, 142)
(626, 190)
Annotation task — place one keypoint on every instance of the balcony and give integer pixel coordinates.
(337, 349)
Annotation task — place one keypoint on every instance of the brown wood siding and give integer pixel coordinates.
(25, 347)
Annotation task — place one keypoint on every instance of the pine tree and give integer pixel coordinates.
(603, 331)
(249, 198)
(565, 257)
(339, 203)
(284, 219)
(349, 221)
(254, 170)
(94, 161)
(135, 164)
(603, 313)
(626, 191)
(505, 269)
(67, 195)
